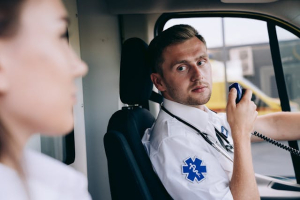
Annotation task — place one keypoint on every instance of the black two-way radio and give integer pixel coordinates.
(239, 90)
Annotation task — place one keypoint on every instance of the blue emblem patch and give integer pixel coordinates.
(224, 131)
(193, 169)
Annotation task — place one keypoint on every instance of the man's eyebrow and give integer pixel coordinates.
(179, 62)
(185, 61)
(205, 55)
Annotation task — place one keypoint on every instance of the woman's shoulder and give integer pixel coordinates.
(10, 183)
(45, 162)
(46, 170)
(46, 175)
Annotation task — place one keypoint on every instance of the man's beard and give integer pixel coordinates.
(176, 96)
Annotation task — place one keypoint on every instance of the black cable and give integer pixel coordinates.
(222, 135)
(227, 146)
(204, 135)
(280, 145)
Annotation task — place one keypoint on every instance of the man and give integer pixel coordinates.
(188, 166)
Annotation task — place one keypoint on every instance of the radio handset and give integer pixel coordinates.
(240, 93)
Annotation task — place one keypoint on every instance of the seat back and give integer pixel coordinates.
(126, 180)
(130, 170)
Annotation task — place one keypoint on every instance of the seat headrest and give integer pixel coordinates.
(135, 82)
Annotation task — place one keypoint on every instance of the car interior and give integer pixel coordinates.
(253, 42)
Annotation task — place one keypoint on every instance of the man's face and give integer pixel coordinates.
(186, 73)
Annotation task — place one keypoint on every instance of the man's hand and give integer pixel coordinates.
(241, 116)
(241, 119)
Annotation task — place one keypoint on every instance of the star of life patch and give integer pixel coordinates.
(193, 169)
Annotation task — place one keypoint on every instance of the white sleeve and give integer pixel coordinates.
(80, 190)
(188, 170)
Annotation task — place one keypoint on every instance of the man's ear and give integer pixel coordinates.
(158, 81)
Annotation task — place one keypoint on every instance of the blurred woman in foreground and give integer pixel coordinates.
(37, 92)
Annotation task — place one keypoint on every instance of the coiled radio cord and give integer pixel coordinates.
(280, 145)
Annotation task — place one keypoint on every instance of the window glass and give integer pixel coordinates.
(245, 54)
(240, 31)
(284, 35)
(289, 46)
(209, 28)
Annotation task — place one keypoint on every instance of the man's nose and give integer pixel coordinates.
(196, 73)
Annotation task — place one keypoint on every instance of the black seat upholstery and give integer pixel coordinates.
(131, 175)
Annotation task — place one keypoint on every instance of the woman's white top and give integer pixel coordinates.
(46, 179)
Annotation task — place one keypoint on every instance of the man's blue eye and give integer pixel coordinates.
(201, 62)
(181, 68)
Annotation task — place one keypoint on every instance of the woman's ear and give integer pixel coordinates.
(158, 82)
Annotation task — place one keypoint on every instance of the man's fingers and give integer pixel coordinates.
(247, 95)
(232, 96)
(254, 105)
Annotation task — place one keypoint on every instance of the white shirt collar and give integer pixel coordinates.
(196, 117)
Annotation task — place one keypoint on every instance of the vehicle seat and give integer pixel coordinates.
(131, 175)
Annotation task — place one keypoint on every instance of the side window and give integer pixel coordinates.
(239, 51)
(289, 46)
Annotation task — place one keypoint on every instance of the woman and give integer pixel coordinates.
(37, 92)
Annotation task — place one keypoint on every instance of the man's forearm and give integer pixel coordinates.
(241, 118)
(243, 184)
(278, 126)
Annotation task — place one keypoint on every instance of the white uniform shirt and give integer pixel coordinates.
(187, 165)
(46, 179)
